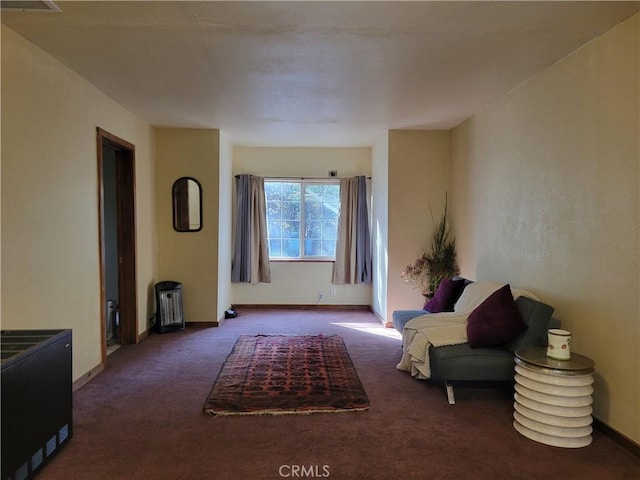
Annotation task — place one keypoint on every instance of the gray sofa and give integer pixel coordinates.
(453, 364)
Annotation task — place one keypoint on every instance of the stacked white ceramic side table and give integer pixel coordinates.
(553, 398)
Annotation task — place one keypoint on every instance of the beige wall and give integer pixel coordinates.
(190, 258)
(225, 222)
(50, 244)
(380, 224)
(418, 179)
(545, 196)
(300, 282)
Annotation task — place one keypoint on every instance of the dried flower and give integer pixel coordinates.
(416, 274)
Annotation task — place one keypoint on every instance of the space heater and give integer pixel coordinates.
(169, 307)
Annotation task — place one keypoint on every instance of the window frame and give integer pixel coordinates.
(303, 182)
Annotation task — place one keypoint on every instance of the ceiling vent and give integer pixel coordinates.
(29, 6)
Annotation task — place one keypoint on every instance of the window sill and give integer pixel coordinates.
(302, 260)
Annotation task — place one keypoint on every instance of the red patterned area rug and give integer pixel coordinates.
(284, 374)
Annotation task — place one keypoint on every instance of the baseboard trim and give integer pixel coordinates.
(203, 324)
(143, 335)
(302, 307)
(622, 440)
(381, 320)
(87, 377)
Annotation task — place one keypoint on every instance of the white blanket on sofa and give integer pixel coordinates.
(446, 328)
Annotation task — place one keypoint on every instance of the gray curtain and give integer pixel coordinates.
(353, 247)
(251, 256)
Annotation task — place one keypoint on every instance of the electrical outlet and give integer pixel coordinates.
(332, 292)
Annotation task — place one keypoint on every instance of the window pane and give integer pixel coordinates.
(329, 230)
(291, 210)
(291, 192)
(313, 230)
(273, 190)
(328, 248)
(288, 203)
(330, 211)
(290, 248)
(274, 209)
(331, 194)
(290, 229)
(312, 247)
(312, 211)
(275, 248)
(313, 191)
(274, 229)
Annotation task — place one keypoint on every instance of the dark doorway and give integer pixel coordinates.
(116, 177)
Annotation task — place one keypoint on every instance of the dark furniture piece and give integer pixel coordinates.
(461, 363)
(169, 307)
(36, 399)
(457, 364)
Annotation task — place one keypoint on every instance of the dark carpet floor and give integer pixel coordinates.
(142, 419)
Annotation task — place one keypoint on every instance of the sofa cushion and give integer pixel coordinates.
(537, 316)
(463, 363)
(495, 321)
(446, 296)
(401, 317)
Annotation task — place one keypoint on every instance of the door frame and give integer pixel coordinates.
(126, 220)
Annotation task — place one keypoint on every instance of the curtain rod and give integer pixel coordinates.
(306, 178)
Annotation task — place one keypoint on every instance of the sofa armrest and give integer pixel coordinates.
(401, 317)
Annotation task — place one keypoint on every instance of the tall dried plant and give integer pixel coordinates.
(437, 263)
(441, 260)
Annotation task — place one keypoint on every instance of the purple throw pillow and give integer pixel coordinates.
(446, 296)
(495, 321)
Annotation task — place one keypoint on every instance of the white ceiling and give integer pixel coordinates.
(311, 73)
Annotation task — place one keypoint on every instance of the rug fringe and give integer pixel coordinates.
(276, 413)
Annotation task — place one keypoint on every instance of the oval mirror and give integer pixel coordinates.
(187, 205)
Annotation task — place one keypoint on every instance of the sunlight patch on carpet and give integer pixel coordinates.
(286, 374)
(371, 329)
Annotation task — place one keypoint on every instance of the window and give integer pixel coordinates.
(302, 218)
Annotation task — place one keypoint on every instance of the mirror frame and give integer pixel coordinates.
(178, 206)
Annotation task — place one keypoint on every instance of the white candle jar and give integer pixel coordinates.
(559, 347)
